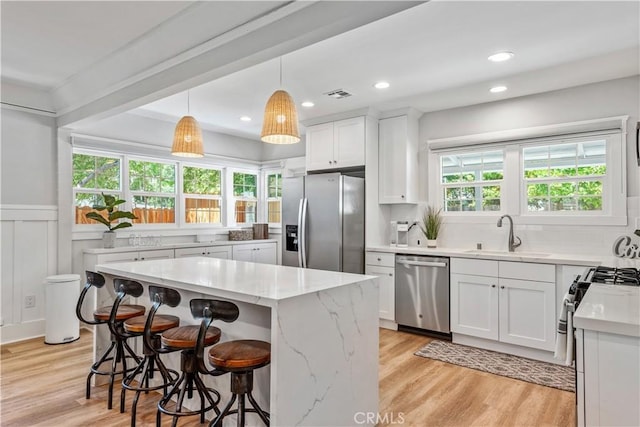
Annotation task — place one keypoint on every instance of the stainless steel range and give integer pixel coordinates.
(608, 275)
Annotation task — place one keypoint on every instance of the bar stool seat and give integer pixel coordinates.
(240, 358)
(125, 311)
(161, 323)
(240, 354)
(187, 336)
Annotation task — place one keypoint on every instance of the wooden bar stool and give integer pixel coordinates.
(240, 358)
(185, 339)
(118, 351)
(138, 379)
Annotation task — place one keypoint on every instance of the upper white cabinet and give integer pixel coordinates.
(264, 253)
(336, 145)
(398, 159)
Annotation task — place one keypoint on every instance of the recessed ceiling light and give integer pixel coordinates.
(381, 85)
(308, 104)
(498, 89)
(245, 118)
(500, 56)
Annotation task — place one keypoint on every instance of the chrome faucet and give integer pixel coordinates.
(514, 241)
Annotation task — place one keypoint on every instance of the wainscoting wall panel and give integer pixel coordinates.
(28, 247)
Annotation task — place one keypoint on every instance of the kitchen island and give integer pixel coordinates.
(322, 326)
(607, 325)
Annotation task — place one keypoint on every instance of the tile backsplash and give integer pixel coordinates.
(578, 239)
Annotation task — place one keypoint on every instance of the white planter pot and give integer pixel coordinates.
(109, 239)
(432, 243)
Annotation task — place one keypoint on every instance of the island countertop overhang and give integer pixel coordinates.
(260, 284)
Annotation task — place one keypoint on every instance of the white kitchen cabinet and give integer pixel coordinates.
(382, 264)
(474, 305)
(398, 160)
(608, 388)
(223, 252)
(527, 313)
(505, 309)
(334, 145)
(264, 253)
(386, 284)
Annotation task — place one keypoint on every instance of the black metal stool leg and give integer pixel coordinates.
(261, 413)
(217, 422)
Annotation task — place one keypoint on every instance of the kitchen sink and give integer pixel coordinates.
(514, 254)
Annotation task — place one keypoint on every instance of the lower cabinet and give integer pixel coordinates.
(382, 264)
(506, 309)
(264, 253)
(223, 252)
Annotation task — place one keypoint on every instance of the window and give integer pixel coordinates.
(92, 175)
(202, 190)
(472, 181)
(274, 198)
(564, 177)
(153, 191)
(245, 193)
(573, 179)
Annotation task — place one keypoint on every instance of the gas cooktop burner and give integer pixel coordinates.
(616, 276)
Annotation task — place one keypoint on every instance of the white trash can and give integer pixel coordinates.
(61, 296)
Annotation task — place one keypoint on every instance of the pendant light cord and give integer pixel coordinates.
(188, 102)
(281, 72)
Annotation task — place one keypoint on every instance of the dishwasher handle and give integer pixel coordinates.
(424, 263)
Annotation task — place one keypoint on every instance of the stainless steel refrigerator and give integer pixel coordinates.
(323, 222)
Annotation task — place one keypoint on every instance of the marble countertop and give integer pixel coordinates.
(261, 284)
(519, 256)
(177, 246)
(610, 308)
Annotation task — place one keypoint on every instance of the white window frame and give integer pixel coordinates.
(266, 199)
(120, 193)
(129, 194)
(183, 196)
(231, 198)
(513, 195)
(442, 186)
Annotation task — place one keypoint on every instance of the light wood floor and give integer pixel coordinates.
(43, 385)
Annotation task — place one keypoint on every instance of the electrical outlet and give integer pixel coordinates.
(29, 301)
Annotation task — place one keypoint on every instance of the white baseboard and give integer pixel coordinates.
(22, 331)
(388, 324)
(516, 350)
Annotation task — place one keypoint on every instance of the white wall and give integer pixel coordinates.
(606, 99)
(28, 216)
(28, 162)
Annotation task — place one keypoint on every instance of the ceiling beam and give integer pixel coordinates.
(288, 28)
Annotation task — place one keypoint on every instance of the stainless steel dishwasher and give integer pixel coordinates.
(422, 292)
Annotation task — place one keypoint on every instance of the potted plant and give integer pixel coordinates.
(113, 216)
(431, 224)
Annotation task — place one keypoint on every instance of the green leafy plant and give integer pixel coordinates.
(113, 215)
(431, 222)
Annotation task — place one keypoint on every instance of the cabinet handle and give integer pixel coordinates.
(502, 287)
(402, 196)
(379, 259)
(142, 259)
(390, 274)
(493, 286)
(330, 162)
(203, 253)
(135, 259)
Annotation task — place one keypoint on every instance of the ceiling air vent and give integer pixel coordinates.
(338, 94)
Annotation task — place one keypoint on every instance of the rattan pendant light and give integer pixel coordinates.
(187, 138)
(280, 124)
